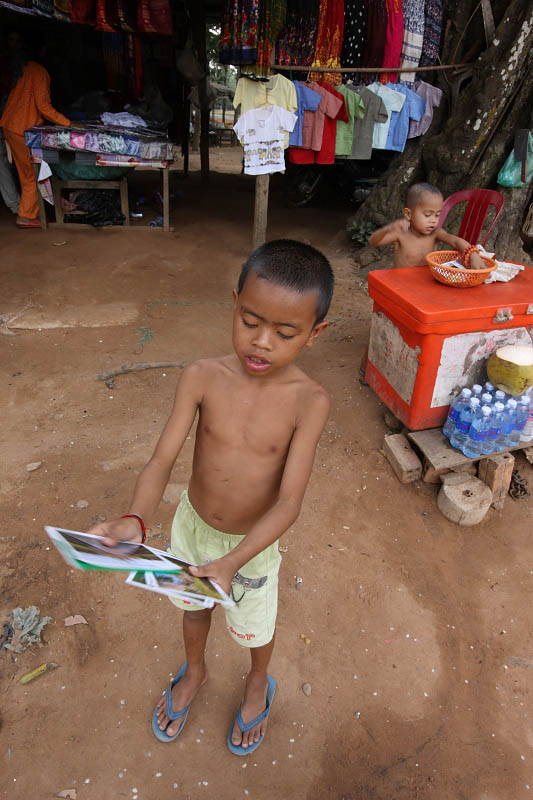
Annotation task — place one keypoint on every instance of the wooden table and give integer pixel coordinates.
(121, 185)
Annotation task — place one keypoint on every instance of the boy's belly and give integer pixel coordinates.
(233, 500)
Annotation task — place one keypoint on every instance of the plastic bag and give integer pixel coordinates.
(188, 65)
(511, 173)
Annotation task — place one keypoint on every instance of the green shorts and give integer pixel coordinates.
(252, 620)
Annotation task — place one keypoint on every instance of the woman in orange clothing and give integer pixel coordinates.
(27, 105)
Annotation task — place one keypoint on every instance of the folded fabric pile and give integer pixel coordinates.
(100, 140)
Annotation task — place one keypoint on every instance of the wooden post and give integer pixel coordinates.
(124, 200)
(261, 209)
(42, 207)
(166, 199)
(199, 35)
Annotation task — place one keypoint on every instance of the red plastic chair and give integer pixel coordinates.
(478, 202)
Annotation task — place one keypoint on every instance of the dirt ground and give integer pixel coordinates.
(421, 653)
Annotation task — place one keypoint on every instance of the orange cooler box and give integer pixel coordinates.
(428, 340)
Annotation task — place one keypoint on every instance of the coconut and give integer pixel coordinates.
(510, 368)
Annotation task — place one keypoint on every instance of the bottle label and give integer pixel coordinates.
(454, 414)
(507, 428)
(477, 436)
(463, 425)
(493, 433)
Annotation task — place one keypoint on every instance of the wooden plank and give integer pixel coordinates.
(56, 191)
(40, 200)
(124, 201)
(441, 455)
(166, 200)
(262, 183)
(89, 184)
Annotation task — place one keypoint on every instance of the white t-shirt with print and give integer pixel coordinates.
(262, 132)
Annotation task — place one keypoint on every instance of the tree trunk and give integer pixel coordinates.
(466, 148)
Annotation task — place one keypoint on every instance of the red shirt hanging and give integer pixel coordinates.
(326, 154)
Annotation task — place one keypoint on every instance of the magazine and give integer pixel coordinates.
(149, 568)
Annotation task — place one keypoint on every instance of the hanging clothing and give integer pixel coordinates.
(413, 37)
(431, 44)
(238, 37)
(271, 21)
(376, 33)
(278, 91)
(262, 132)
(320, 129)
(296, 42)
(329, 40)
(412, 109)
(308, 100)
(356, 110)
(393, 40)
(432, 96)
(363, 130)
(354, 33)
(394, 102)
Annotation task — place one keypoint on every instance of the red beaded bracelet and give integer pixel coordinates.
(467, 252)
(141, 523)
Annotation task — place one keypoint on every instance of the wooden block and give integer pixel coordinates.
(432, 475)
(496, 472)
(404, 461)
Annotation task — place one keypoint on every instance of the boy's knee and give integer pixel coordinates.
(199, 616)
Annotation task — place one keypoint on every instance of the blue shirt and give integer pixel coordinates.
(307, 100)
(413, 108)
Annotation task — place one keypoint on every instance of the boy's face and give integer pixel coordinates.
(272, 324)
(424, 217)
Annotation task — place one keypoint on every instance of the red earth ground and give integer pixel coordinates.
(420, 658)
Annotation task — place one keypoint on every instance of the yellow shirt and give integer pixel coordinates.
(278, 91)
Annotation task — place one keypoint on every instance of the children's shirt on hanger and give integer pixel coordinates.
(278, 90)
(313, 123)
(335, 109)
(262, 132)
(308, 100)
(394, 102)
(413, 108)
(355, 109)
(363, 130)
(432, 97)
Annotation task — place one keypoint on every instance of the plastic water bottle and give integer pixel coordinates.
(458, 437)
(521, 417)
(499, 396)
(455, 412)
(489, 387)
(527, 430)
(486, 399)
(477, 390)
(489, 444)
(478, 432)
(508, 418)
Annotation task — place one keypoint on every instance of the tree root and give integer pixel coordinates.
(109, 377)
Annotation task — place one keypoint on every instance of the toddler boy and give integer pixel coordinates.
(417, 234)
(259, 421)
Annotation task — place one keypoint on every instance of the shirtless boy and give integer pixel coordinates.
(417, 234)
(259, 421)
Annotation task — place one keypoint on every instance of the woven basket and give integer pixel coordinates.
(455, 276)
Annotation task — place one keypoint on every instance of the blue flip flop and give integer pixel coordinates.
(236, 749)
(162, 735)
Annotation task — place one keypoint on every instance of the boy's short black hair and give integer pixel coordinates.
(293, 264)
(415, 191)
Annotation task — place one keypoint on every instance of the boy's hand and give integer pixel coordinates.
(118, 530)
(402, 225)
(476, 262)
(221, 571)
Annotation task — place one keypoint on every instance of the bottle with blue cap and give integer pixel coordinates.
(478, 432)
(460, 433)
(522, 413)
(489, 444)
(506, 429)
(455, 412)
